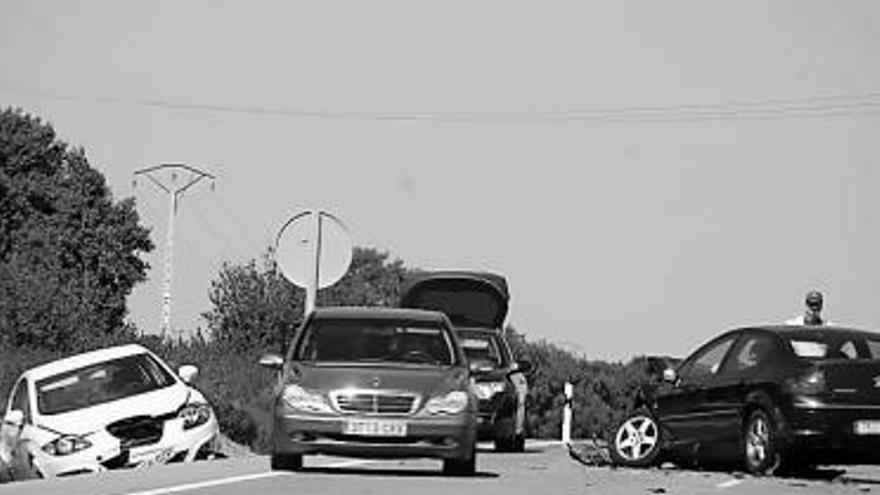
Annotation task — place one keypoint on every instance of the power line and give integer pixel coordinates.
(217, 233)
(820, 106)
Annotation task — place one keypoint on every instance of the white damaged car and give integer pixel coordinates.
(106, 409)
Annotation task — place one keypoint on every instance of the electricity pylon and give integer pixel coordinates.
(156, 174)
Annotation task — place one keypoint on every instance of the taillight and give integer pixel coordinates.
(810, 383)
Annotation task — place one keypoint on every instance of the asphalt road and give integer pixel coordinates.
(545, 468)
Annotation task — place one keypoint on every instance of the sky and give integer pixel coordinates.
(646, 174)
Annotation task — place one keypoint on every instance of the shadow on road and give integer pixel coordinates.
(398, 473)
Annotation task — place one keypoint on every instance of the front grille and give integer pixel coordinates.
(138, 430)
(375, 402)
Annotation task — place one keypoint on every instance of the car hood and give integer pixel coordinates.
(473, 299)
(89, 419)
(423, 380)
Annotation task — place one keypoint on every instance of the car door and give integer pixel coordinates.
(742, 372)
(683, 408)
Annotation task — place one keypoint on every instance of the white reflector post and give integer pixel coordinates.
(566, 414)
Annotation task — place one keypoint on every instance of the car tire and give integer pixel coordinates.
(504, 444)
(519, 443)
(505, 435)
(758, 441)
(461, 467)
(287, 462)
(637, 441)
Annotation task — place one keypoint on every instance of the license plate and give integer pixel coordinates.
(867, 427)
(155, 458)
(374, 428)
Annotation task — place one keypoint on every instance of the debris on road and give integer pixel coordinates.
(590, 454)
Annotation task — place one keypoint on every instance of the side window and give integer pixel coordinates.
(752, 352)
(848, 350)
(706, 362)
(874, 348)
(20, 400)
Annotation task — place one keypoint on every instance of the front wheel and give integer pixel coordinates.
(461, 467)
(760, 454)
(637, 440)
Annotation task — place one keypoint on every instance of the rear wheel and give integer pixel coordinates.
(287, 462)
(637, 440)
(759, 449)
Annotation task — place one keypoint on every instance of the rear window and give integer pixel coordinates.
(833, 344)
(375, 342)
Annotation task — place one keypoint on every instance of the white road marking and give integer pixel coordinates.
(207, 484)
(271, 474)
(728, 484)
(239, 479)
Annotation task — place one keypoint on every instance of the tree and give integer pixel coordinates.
(69, 254)
(254, 309)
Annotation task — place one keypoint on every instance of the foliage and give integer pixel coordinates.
(602, 391)
(256, 310)
(69, 254)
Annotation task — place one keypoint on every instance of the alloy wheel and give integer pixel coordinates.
(637, 438)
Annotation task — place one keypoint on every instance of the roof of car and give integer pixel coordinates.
(377, 313)
(84, 359)
(794, 329)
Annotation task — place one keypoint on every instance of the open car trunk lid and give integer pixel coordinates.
(469, 299)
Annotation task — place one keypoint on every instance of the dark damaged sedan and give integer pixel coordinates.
(476, 304)
(377, 383)
(773, 399)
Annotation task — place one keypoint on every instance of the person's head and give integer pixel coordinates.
(814, 301)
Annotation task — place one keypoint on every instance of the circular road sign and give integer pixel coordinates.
(301, 236)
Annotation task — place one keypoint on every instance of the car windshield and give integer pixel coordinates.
(833, 344)
(482, 348)
(100, 383)
(362, 341)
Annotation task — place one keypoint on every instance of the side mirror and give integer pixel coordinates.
(272, 361)
(15, 418)
(187, 373)
(523, 366)
(670, 376)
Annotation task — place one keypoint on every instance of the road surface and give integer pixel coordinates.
(545, 468)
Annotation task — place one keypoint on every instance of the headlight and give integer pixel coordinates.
(452, 403)
(485, 390)
(304, 400)
(66, 445)
(195, 414)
